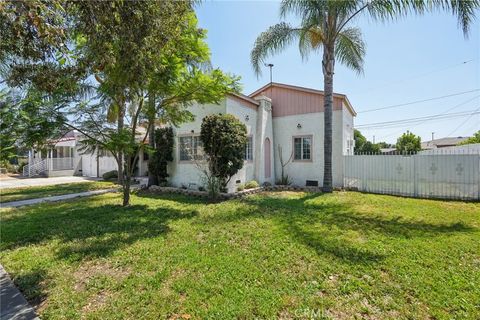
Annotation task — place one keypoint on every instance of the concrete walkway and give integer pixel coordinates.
(13, 305)
(20, 203)
(18, 182)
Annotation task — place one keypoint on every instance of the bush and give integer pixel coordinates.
(241, 187)
(110, 175)
(251, 184)
(224, 139)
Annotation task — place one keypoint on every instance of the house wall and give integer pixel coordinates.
(186, 172)
(287, 101)
(285, 128)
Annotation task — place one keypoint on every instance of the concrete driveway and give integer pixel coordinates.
(17, 182)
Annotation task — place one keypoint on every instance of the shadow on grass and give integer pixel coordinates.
(33, 286)
(299, 216)
(87, 230)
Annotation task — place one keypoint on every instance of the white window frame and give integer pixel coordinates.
(302, 137)
(198, 154)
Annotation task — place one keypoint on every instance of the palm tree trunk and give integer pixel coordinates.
(328, 70)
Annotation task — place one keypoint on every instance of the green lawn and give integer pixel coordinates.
(24, 193)
(286, 255)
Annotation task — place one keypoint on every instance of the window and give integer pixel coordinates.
(191, 147)
(62, 152)
(249, 149)
(302, 148)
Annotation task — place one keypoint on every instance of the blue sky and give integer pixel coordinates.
(415, 58)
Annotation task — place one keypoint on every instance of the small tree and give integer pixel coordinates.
(362, 145)
(162, 154)
(284, 179)
(224, 139)
(471, 140)
(408, 142)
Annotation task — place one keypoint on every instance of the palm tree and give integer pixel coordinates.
(325, 27)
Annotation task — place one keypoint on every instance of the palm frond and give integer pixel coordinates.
(310, 39)
(350, 49)
(304, 9)
(465, 10)
(269, 42)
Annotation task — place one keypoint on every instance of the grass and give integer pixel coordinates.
(281, 255)
(24, 193)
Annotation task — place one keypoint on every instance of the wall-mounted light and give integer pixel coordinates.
(247, 117)
(193, 131)
(299, 126)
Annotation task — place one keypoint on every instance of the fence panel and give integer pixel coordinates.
(446, 176)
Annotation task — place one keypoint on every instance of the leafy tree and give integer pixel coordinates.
(28, 120)
(162, 154)
(149, 69)
(408, 142)
(362, 145)
(325, 27)
(224, 139)
(383, 144)
(360, 140)
(472, 140)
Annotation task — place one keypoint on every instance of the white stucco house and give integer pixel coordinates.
(276, 114)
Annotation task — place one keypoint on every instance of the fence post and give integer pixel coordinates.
(415, 176)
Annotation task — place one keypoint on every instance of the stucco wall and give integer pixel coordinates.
(285, 128)
(188, 173)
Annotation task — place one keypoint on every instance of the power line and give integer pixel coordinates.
(466, 120)
(418, 101)
(446, 111)
(417, 119)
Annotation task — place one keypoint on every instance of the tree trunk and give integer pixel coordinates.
(120, 126)
(152, 179)
(126, 190)
(127, 181)
(328, 70)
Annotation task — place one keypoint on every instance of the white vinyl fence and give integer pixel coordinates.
(436, 175)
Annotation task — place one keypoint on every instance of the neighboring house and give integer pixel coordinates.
(473, 148)
(388, 151)
(66, 157)
(276, 114)
(442, 143)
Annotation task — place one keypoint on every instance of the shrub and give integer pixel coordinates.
(241, 187)
(224, 139)
(251, 184)
(110, 175)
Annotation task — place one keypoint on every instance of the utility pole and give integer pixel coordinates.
(373, 139)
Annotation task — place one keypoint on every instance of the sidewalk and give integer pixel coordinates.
(28, 202)
(18, 182)
(13, 305)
